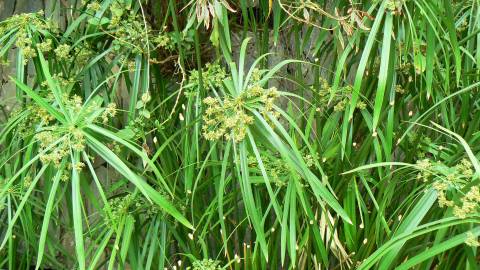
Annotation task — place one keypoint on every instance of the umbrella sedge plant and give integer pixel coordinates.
(218, 134)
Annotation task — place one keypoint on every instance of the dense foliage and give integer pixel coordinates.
(218, 134)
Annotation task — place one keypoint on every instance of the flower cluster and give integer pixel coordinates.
(27, 25)
(128, 29)
(125, 62)
(340, 98)
(62, 81)
(131, 33)
(45, 46)
(118, 8)
(405, 69)
(275, 167)
(131, 36)
(23, 20)
(395, 6)
(56, 144)
(56, 141)
(24, 43)
(322, 93)
(441, 188)
(425, 166)
(471, 240)
(462, 27)
(256, 76)
(83, 55)
(120, 207)
(469, 203)
(399, 89)
(27, 181)
(33, 115)
(109, 112)
(164, 41)
(74, 103)
(206, 264)
(310, 160)
(93, 6)
(341, 105)
(465, 168)
(124, 205)
(449, 183)
(46, 139)
(77, 139)
(62, 51)
(459, 175)
(229, 118)
(212, 74)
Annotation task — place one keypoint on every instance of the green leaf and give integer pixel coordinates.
(150, 193)
(383, 74)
